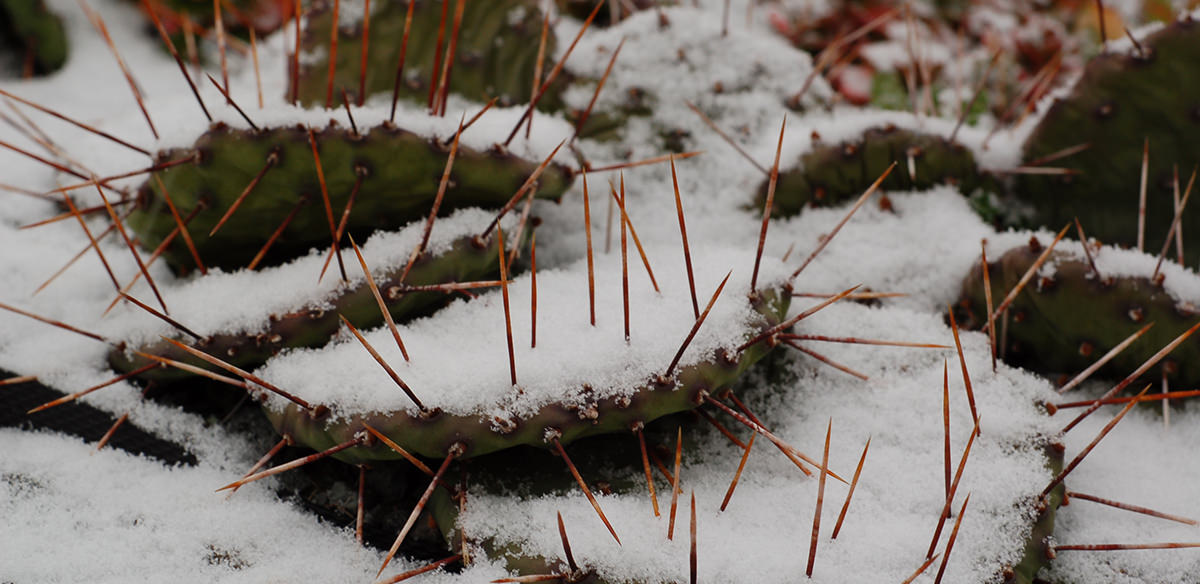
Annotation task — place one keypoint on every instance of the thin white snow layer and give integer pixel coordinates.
(241, 301)
(1180, 282)
(72, 514)
(470, 340)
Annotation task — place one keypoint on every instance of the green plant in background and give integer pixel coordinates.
(266, 196)
(495, 52)
(34, 35)
(1124, 99)
(495, 55)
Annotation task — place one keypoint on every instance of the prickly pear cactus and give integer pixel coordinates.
(495, 55)
(1125, 97)
(500, 400)
(1068, 316)
(34, 34)
(830, 174)
(393, 174)
(1039, 549)
(431, 433)
(467, 259)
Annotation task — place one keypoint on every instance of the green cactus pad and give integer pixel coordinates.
(313, 326)
(1062, 323)
(1038, 552)
(833, 173)
(1122, 99)
(496, 54)
(433, 434)
(36, 35)
(400, 176)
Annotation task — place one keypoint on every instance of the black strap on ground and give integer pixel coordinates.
(82, 420)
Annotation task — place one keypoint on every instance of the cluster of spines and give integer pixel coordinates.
(1064, 322)
(468, 260)
(487, 51)
(421, 51)
(430, 433)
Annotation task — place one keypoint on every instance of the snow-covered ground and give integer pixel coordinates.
(71, 515)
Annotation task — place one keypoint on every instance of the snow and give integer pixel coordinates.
(241, 301)
(110, 517)
(600, 356)
(764, 533)
(67, 506)
(1142, 462)
(1179, 282)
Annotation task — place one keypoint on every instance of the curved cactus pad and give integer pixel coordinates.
(397, 173)
(1122, 100)
(35, 33)
(1038, 550)
(1066, 317)
(495, 55)
(313, 325)
(575, 414)
(832, 173)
